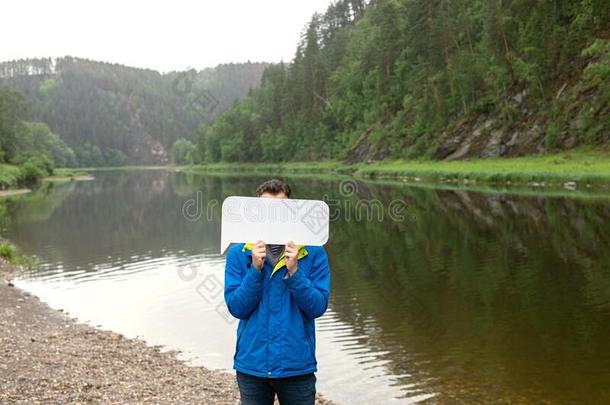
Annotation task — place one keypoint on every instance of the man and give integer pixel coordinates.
(276, 291)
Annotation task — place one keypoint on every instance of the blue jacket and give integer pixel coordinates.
(276, 332)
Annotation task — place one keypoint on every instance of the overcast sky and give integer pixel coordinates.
(163, 35)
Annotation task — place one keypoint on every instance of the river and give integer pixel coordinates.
(438, 294)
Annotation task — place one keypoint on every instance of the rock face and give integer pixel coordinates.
(361, 150)
(488, 137)
(576, 114)
(365, 151)
(495, 146)
(145, 149)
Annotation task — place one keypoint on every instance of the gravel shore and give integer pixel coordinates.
(49, 358)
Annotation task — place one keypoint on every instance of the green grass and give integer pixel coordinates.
(66, 175)
(9, 252)
(122, 168)
(583, 166)
(69, 173)
(268, 168)
(12, 176)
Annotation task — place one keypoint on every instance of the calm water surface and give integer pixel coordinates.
(463, 296)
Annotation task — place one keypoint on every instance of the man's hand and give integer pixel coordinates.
(290, 254)
(259, 252)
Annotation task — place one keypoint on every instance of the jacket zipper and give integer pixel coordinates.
(308, 338)
(268, 321)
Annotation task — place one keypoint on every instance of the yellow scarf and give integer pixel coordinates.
(282, 261)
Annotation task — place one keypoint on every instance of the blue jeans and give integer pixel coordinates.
(299, 390)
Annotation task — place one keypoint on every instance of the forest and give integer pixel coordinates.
(82, 113)
(369, 81)
(429, 79)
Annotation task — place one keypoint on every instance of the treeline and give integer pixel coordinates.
(396, 73)
(110, 114)
(30, 147)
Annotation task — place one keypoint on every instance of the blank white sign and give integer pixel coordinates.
(274, 221)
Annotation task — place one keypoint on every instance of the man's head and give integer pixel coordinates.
(273, 189)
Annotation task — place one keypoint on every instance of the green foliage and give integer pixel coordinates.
(184, 152)
(597, 72)
(47, 86)
(400, 71)
(10, 176)
(9, 252)
(12, 110)
(114, 157)
(89, 155)
(35, 166)
(378, 79)
(31, 147)
(552, 135)
(45, 141)
(111, 114)
(583, 165)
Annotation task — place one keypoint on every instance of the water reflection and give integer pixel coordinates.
(471, 297)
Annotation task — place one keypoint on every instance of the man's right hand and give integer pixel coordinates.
(259, 252)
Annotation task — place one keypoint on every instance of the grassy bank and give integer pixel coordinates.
(16, 176)
(269, 168)
(62, 175)
(11, 254)
(583, 166)
(126, 168)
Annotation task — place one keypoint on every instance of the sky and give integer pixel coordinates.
(161, 35)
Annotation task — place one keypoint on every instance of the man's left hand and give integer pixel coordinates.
(291, 252)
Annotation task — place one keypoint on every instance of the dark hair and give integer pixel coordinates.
(274, 187)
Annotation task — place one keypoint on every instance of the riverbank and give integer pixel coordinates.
(127, 168)
(48, 357)
(14, 179)
(14, 192)
(578, 168)
(66, 175)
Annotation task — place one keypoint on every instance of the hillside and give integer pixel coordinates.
(113, 114)
(436, 79)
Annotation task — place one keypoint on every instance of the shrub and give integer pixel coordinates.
(7, 251)
(10, 176)
(552, 135)
(13, 255)
(35, 167)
